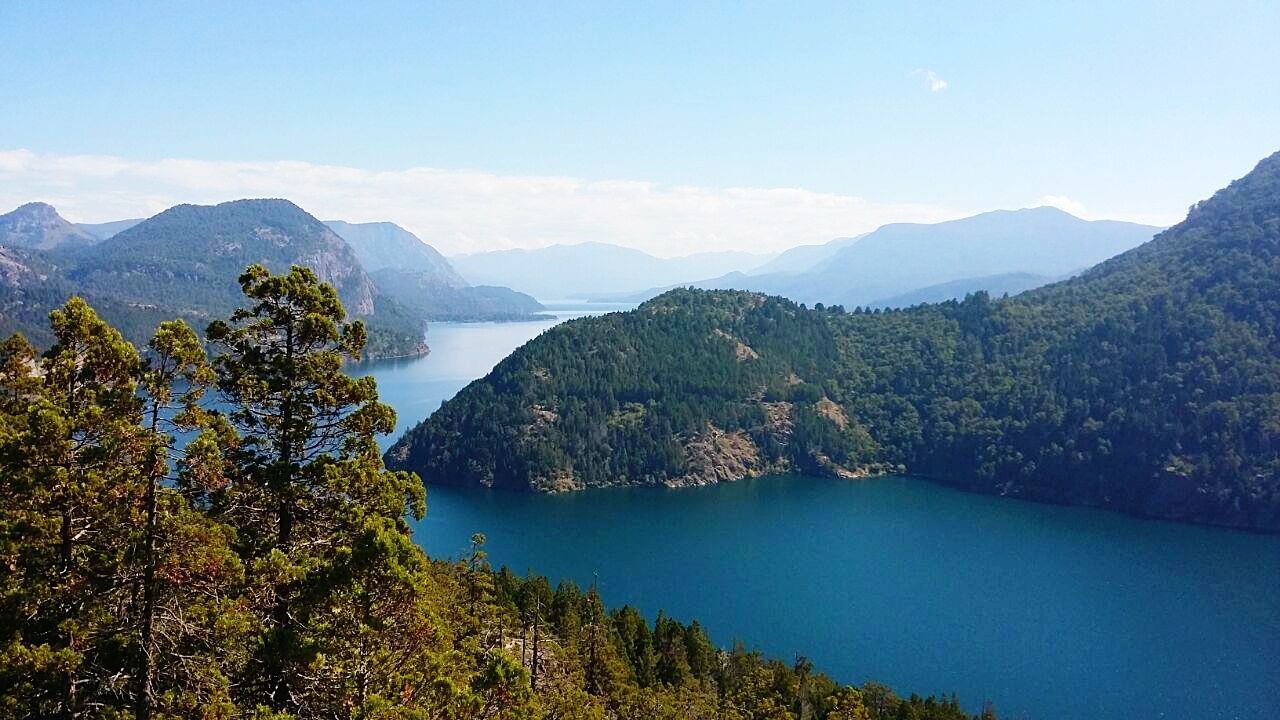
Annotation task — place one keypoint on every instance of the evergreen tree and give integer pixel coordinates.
(190, 577)
(73, 493)
(309, 483)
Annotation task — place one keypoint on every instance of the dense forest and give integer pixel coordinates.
(1148, 384)
(165, 556)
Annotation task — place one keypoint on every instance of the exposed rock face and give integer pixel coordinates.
(719, 456)
(741, 350)
(13, 270)
(38, 226)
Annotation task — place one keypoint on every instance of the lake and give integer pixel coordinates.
(1050, 612)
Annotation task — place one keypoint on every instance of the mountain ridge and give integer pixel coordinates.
(869, 268)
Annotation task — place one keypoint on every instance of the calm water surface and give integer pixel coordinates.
(1050, 612)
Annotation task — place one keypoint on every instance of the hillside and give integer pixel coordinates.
(186, 262)
(422, 295)
(38, 226)
(422, 280)
(382, 245)
(1149, 384)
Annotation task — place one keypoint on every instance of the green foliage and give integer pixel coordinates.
(265, 569)
(1150, 384)
(185, 263)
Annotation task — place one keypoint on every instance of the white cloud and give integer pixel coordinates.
(1062, 202)
(461, 210)
(931, 79)
(1077, 208)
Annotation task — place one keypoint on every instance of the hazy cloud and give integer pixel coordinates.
(930, 79)
(461, 210)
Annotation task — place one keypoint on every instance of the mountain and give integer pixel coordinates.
(592, 269)
(1149, 384)
(904, 257)
(803, 258)
(993, 285)
(381, 245)
(186, 261)
(102, 231)
(421, 294)
(711, 264)
(38, 225)
(422, 280)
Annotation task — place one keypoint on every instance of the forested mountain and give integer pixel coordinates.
(904, 258)
(591, 269)
(185, 262)
(38, 225)
(422, 280)
(265, 568)
(1149, 384)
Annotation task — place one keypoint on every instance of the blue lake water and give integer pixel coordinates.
(1050, 612)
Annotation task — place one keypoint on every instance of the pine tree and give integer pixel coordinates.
(308, 483)
(73, 494)
(190, 623)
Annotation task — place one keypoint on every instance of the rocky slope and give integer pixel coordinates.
(38, 225)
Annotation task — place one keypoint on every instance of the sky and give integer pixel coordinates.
(671, 127)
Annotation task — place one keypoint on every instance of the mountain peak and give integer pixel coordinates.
(38, 225)
(38, 209)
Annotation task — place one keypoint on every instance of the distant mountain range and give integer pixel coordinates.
(589, 269)
(187, 258)
(803, 258)
(185, 262)
(1000, 251)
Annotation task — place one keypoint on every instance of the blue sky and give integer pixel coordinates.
(1132, 112)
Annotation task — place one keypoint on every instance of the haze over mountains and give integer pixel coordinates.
(589, 269)
(188, 258)
(998, 251)
(421, 279)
